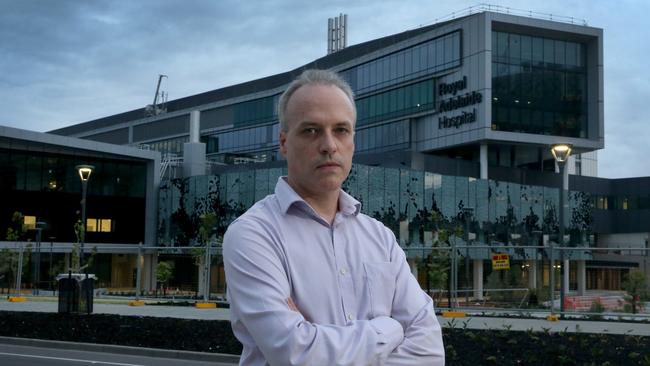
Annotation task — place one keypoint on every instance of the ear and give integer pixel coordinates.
(283, 141)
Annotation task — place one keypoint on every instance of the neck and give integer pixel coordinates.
(326, 204)
(324, 207)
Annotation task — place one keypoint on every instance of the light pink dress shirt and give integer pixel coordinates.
(359, 303)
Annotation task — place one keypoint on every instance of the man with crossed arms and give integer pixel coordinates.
(311, 280)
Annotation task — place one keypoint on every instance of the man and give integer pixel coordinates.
(311, 280)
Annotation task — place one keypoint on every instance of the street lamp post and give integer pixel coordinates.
(50, 272)
(561, 153)
(84, 174)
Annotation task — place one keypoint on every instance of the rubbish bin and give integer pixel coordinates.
(76, 292)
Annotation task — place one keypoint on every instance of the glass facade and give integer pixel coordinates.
(249, 139)
(395, 69)
(47, 188)
(627, 202)
(404, 200)
(539, 85)
(409, 99)
(427, 58)
(50, 173)
(169, 146)
(385, 137)
(256, 111)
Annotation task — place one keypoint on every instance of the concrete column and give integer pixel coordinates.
(565, 276)
(195, 126)
(194, 151)
(484, 161)
(151, 202)
(478, 279)
(532, 274)
(582, 277)
(417, 160)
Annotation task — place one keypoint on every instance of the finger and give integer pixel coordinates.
(292, 305)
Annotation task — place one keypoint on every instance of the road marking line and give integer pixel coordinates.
(70, 359)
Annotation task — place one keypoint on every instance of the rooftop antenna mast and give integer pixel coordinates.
(155, 108)
(337, 33)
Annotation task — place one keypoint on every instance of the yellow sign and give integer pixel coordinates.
(500, 261)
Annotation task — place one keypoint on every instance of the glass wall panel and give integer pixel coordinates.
(503, 212)
(461, 192)
(386, 137)
(33, 173)
(410, 99)
(169, 146)
(427, 58)
(537, 86)
(256, 111)
(481, 213)
(391, 189)
(448, 195)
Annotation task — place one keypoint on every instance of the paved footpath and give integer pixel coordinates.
(470, 322)
(185, 312)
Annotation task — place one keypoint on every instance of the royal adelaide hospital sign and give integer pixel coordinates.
(456, 102)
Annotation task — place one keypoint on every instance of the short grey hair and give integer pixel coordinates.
(312, 77)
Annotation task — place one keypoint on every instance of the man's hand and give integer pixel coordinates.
(292, 306)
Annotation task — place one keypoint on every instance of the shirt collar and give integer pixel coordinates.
(287, 197)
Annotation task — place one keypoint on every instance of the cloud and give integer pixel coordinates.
(70, 61)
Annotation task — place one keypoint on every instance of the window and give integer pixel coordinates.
(413, 62)
(255, 111)
(29, 222)
(395, 103)
(538, 86)
(99, 225)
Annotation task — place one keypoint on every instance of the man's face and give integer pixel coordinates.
(319, 143)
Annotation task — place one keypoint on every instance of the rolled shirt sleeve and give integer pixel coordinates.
(258, 287)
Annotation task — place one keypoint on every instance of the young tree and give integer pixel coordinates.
(164, 273)
(206, 232)
(9, 258)
(75, 255)
(636, 286)
(438, 262)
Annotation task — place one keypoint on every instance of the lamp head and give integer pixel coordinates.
(85, 171)
(561, 152)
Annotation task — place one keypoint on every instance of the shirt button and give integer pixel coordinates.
(349, 316)
(343, 271)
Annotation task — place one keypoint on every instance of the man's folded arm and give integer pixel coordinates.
(422, 344)
(258, 289)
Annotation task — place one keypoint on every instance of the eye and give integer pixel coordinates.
(342, 130)
(310, 131)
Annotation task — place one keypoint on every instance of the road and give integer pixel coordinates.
(15, 355)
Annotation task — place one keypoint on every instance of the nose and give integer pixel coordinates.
(328, 143)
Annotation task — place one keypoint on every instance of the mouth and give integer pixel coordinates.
(328, 165)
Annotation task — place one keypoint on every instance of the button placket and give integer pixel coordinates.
(345, 280)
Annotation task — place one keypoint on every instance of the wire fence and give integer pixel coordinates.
(591, 281)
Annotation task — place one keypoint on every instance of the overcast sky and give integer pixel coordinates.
(65, 62)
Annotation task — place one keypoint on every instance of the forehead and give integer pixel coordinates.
(320, 101)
